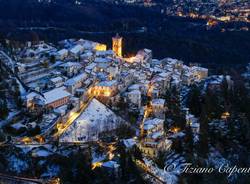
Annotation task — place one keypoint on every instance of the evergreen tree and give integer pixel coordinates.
(17, 96)
(225, 90)
(177, 146)
(189, 143)
(122, 105)
(214, 104)
(167, 95)
(160, 160)
(203, 138)
(194, 101)
(137, 153)
(2, 136)
(52, 59)
(179, 121)
(123, 162)
(3, 109)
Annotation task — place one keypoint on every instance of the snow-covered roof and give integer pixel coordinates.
(40, 153)
(151, 123)
(197, 68)
(71, 64)
(62, 52)
(76, 49)
(61, 110)
(179, 134)
(135, 92)
(129, 142)
(111, 164)
(86, 44)
(90, 66)
(134, 87)
(56, 79)
(147, 50)
(31, 95)
(155, 135)
(195, 125)
(18, 126)
(96, 117)
(76, 79)
(104, 53)
(164, 74)
(158, 101)
(102, 60)
(87, 54)
(108, 83)
(55, 94)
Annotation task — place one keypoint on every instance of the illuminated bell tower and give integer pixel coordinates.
(117, 45)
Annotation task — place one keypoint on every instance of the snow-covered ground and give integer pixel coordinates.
(164, 175)
(95, 119)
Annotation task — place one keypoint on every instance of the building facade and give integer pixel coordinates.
(117, 45)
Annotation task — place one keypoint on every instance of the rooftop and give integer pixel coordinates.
(56, 79)
(96, 115)
(158, 101)
(151, 123)
(108, 83)
(76, 49)
(55, 94)
(76, 79)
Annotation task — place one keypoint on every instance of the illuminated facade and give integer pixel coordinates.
(117, 45)
(212, 23)
(105, 89)
(56, 97)
(158, 107)
(153, 138)
(100, 47)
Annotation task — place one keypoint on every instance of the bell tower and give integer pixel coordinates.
(117, 45)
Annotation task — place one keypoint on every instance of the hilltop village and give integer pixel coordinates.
(81, 94)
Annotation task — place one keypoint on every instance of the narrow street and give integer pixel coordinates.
(147, 173)
(63, 127)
